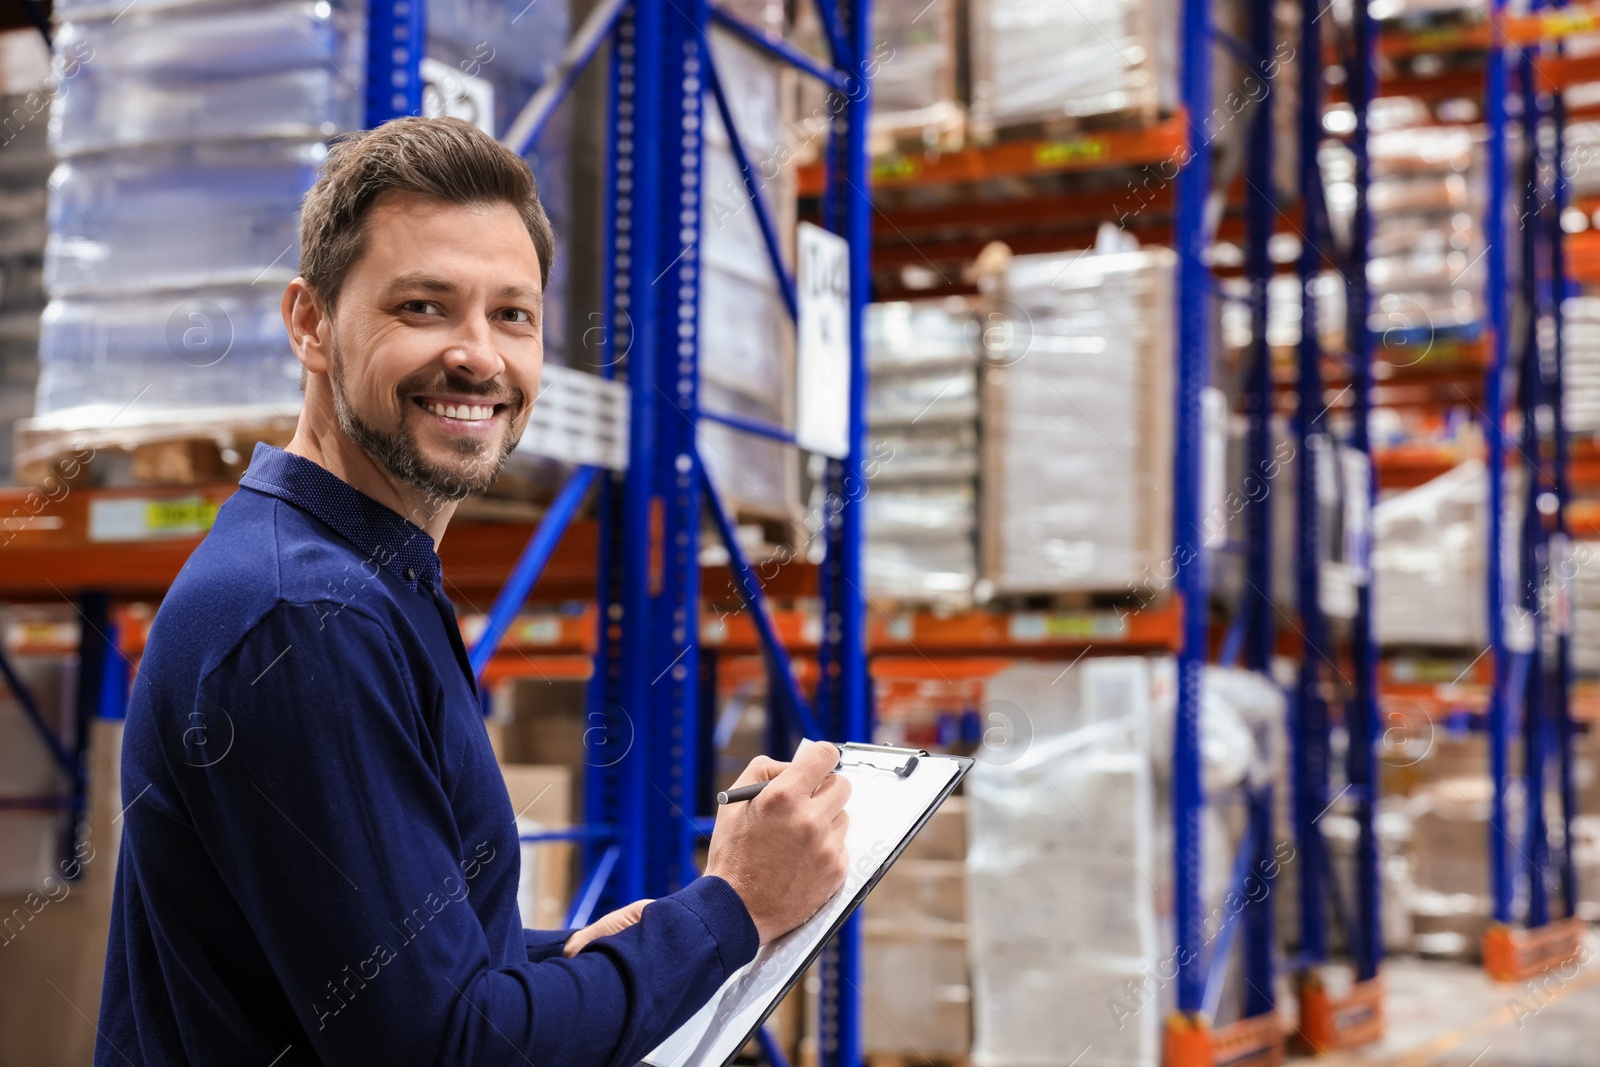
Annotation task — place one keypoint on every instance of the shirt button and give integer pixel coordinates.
(411, 574)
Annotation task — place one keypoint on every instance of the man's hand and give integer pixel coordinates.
(606, 925)
(783, 852)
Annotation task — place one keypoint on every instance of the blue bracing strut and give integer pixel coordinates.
(537, 553)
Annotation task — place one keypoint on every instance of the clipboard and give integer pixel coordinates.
(880, 829)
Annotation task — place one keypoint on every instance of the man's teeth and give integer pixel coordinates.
(465, 412)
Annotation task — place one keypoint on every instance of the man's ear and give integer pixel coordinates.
(309, 326)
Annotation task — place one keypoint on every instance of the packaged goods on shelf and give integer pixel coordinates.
(26, 168)
(1585, 571)
(1038, 63)
(1427, 194)
(1580, 370)
(746, 336)
(922, 419)
(914, 62)
(188, 144)
(1077, 432)
(1429, 560)
(1068, 829)
(914, 86)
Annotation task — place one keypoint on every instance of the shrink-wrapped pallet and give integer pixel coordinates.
(1069, 870)
(1036, 62)
(189, 135)
(1077, 428)
(1580, 370)
(746, 336)
(922, 414)
(24, 169)
(1429, 560)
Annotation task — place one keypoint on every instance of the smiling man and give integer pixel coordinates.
(319, 859)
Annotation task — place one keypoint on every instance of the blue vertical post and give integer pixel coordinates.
(1534, 548)
(842, 705)
(1363, 716)
(1497, 302)
(1261, 635)
(638, 63)
(1260, 211)
(396, 40)
(1193, 375)
(672, 515)
(95, 697)
(611, 786)
(1309, 723)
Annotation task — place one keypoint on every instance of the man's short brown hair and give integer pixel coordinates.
(447, 159)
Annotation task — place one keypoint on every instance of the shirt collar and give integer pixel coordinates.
(384, 536)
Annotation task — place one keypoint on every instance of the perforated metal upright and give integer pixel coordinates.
(647, 713)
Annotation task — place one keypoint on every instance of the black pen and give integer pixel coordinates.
(750, 792)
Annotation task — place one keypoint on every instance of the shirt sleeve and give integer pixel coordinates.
(545, 944)
(329, 823)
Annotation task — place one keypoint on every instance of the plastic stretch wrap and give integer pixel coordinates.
(746, 335)
(1068, 831)
(1429, 560)
(1039, 60)
(1580, 400)
(1077, 448)
(22, 240)
(914, 85)
(1426, 270)
(190, 134)
(922, 411)
(1585, 571)
(1061, 908)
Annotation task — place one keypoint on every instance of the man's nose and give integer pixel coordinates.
(472, 350)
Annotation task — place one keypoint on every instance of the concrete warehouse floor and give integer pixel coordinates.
(1451, 1015)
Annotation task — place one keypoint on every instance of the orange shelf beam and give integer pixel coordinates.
(1013, 159)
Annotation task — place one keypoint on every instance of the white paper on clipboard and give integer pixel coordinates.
(884, 810)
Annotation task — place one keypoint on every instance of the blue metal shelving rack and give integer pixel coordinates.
(1529, 637)
(643, 823)
(1323, 687)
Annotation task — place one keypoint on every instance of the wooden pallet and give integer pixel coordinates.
(1068, 128)
(898, 1059)
(148, 454)
(931, 130)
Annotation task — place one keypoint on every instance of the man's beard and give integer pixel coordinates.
(401, 454)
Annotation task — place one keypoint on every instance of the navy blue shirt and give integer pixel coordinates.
(319, 858)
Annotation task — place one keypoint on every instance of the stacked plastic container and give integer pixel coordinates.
(24, 166)
(187, 139)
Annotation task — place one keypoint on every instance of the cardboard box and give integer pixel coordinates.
(540, 795)
(915, 996)
(920, 891)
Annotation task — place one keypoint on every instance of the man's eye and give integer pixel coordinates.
(420, 307)
(517, 315)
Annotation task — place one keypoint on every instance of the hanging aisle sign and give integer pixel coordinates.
(822, 414)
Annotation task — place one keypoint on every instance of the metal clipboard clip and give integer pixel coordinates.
(902, 770)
